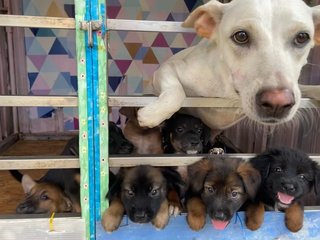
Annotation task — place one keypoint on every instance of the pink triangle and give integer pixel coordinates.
(37, 60)
(160, 41)
(189, 37)
(113, 11)
(123, 65)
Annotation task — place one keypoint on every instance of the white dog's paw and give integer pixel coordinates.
(150, 117)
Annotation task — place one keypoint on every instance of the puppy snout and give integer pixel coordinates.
(220, 215)
(289, 187)
(275, 102)
(140, 216)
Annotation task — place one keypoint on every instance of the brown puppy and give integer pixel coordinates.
(219, 186)
(288, 176)
(45, 197)
(145, 140)
(143, 193)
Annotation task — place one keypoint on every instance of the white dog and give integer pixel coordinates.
(252, 53)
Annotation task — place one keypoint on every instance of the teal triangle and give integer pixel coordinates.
(45, 32)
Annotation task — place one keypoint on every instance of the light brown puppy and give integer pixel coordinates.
(145, 140)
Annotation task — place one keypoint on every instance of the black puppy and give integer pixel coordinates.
(183, 133)
(118, 144)
(287, 176)
(143, 192)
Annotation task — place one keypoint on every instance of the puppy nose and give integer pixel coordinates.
(140, 214)
(290, 188)
(220, 215)
(275, 102)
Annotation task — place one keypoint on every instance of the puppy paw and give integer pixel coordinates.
(294, 217)
(196, 216)
(162, 218)
(254, 216)
(174, 209)
(110, 221)
(112, 217)
(196, 221)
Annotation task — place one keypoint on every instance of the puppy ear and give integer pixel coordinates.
(262, 164)
(251, 178)
(206, 135)
(197, 173)
(205, 18)
(316, 20)
(67, 205)
(27, 183)
(317, 180)
(115, 182)
(174, 179)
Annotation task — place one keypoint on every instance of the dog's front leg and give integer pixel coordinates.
(196, 216)
(174, 203)
(162, 217)
(310, 91)
(112, 217)
(254, 215)
(294, 217)
(171, 96)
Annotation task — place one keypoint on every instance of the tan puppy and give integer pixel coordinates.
(145, 140)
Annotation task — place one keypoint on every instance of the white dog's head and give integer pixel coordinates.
(264, 45)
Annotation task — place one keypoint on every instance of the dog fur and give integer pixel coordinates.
(251, 55)
(185, 134)
(219, 186)
(145, 140)
(144, 193)
(287, 177)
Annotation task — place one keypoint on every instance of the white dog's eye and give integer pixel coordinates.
(301, 39)
(240, 37)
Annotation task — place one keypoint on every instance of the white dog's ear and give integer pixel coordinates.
(205, 18)
(316, 20)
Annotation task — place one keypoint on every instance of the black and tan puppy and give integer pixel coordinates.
(219, 187)
(287, 176)
(143, 193)
(186, 134)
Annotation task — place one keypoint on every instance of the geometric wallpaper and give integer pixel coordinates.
(133, 56)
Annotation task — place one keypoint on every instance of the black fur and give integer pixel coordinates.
(286, 171)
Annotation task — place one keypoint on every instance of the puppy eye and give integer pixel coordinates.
(199, 130)
(179, 129)
(44, 197)
(154, 192)
(301, 39)
(234, 194)
(302, 177)
(210, 189)
(130, 193)
(277, 169)
(241, 37)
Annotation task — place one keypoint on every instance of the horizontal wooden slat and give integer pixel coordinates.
(66, 228)
(112, 24)
(39, 162)
(123, 101)
(36, 21)
(38, 101)
(150, 26)
(140, 101)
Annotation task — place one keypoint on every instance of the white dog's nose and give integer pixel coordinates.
(274, 102)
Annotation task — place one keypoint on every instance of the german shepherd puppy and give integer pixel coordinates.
(219, 186)
(142, 192)
(287, 177)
